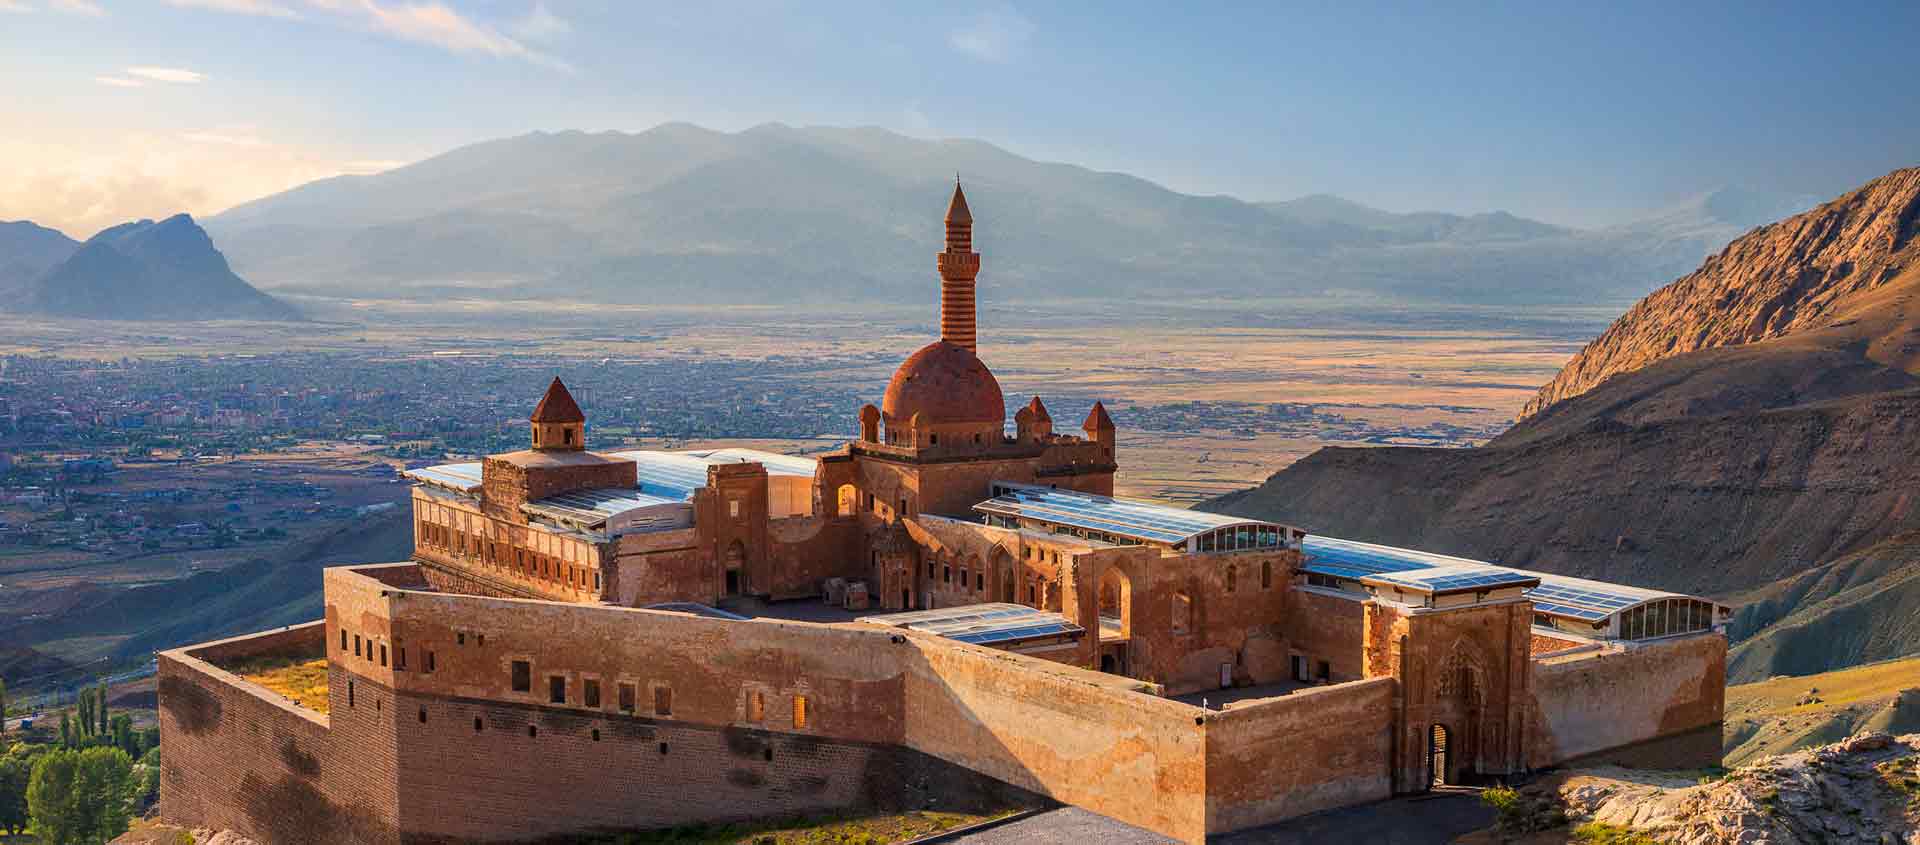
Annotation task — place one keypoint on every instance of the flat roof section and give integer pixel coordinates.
(589, 507)
(993, 623)
(1145, 521)
(1455, 578)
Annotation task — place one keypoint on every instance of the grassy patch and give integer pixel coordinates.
(1903, 776)
(1596, 833)
(818, 830)
(304, 682)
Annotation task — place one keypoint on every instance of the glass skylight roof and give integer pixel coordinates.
(1559, 595)
(595, 505)
(464, 477)
(994, 623)
(1139, 520)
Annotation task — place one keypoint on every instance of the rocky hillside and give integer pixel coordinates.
(28, 250)
(1764, 448)
(1865, 789)
(1783, 278)
(147, 270)
(1785, 714)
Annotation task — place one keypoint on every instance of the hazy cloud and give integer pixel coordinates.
(120, 82)
(541, 24)
(79, 7)
(259, 8)
(15, 6)
(167, 74)
(994, 35)
(81, 191)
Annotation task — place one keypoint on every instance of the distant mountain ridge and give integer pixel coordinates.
(778, 213)
(144, 270)
(1751, 431)
(27, 251)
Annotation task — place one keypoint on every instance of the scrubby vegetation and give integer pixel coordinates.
(1596, 833)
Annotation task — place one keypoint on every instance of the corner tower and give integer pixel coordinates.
(959, 267)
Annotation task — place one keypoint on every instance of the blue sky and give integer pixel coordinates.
(1584, 114)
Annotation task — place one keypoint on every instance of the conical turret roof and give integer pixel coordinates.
(957, 211)
(1097, 419)
(557, 406)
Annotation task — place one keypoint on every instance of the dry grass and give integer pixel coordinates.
(1768, 717)
(303, 682)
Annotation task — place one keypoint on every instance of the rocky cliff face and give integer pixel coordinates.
(145, 270)
(1779, 279)
(1734, 433)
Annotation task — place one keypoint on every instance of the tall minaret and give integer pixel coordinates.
(958, 267)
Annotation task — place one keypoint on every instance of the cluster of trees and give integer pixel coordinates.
(87, 787)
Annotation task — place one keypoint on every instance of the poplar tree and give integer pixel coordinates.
(3, 710)
(100, 701)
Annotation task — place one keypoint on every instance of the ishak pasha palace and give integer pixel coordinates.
(947, 608)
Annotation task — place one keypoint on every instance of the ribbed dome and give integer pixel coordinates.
(945, 384)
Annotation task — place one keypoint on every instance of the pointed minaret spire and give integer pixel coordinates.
(959, 266)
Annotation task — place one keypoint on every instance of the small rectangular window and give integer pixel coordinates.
(400, 658)
(663, 701)
(756, 707)
(590, 693)
(799, 711)
(522, 676)
(460, 638)
(429, 662)
(349, 693)
(733, 508)
(343, 639)
(383, 654)
(356, 645)
(626, 698)
(557, 689)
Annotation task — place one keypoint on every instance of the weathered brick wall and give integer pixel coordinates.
(1080, 737)
(1320, 627)
(1313, 750)
(240, 757)
(803, 552)
(1589, 703)
(662, 566)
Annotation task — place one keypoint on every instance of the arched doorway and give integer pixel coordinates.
(1116, 604)
(735, 566)
(847, 501)
(1458, 710)
(1006, 585)
(1439, 770)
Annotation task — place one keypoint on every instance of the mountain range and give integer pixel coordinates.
(144, 270)
(778, 213)
(1750, 431)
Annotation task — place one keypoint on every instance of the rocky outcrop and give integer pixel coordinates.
(1790, 276)
(1865, 789)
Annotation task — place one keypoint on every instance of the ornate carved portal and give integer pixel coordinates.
(1461, 736)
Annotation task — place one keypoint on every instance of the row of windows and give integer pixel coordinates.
(367, 651)
(533, 731)
(626, 695)
(523, 562)
(1266, 576)
(1665, 618)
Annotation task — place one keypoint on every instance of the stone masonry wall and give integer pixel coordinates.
(1313, 750)
(242, 758)
(1628, 695)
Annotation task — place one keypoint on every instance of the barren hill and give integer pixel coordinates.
(1751, 430)
(1800, 273)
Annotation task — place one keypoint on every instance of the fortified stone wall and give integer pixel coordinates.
(240, 757)
(1313, 750)
(841, 702)
(804, 551)
(1628, 695)
(1324, 628)
(659, 566)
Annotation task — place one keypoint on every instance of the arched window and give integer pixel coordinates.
(1233, 578)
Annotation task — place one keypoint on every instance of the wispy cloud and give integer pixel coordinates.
(995, 35)
(80, 7)
(435, 24)
(258, 8)
(18, 7)
(120, 81)
(541, 24)
(168, 74)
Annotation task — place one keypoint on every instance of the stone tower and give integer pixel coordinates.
(558, 424)
(959, 266)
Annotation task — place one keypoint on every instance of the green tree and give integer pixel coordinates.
(100, 701)
(66, 729)
(15, 770)
(3, 711)
(83, 708)
(123, 736)
(81, 797)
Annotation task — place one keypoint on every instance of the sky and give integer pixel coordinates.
(1583, 114)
